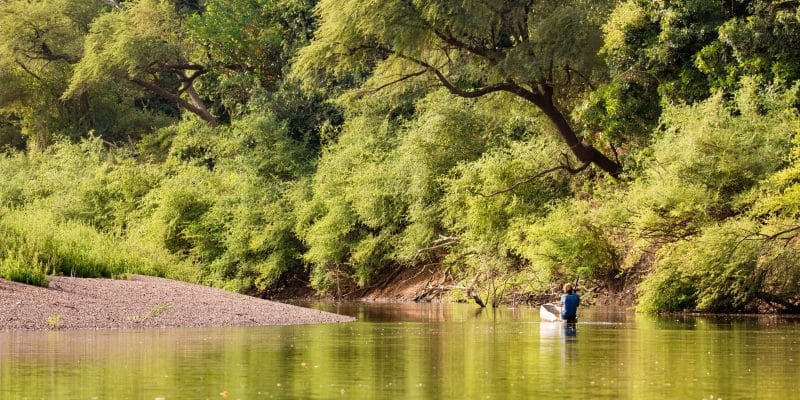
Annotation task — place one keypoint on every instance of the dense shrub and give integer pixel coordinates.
(215, 210)
(708, 168)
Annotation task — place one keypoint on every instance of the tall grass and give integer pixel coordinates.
(36, 242)
(19, 268)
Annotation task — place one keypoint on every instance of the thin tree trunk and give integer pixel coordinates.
(195, 98)
(198, 102)
(188, 106)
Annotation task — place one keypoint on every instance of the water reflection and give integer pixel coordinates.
(444, 312)
(409, 351)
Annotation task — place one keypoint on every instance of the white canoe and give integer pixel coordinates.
(550, 312)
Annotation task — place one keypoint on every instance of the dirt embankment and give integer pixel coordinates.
(431, 284)
(78, 303)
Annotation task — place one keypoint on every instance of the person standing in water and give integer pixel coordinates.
(569, 304)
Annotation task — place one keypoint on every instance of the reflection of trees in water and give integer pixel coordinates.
(424, 312)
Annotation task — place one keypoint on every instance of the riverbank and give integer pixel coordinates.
(431, 284)
(140, 302)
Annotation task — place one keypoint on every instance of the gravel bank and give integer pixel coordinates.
(140, 302)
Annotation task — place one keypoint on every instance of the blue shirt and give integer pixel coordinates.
(569, 306)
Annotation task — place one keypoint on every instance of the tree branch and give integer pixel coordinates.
(195, 98)
(384, 86)
(502, 86)
(53, 57)
(541, 95)
(532, 178)
(112, 3)
(26, 69)
(447, 37)
(442, 242)
(775, 235)
(165, 94)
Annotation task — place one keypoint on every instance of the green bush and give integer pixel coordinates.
(19, 267)
(485, 197)
(568, 241)
(715, 272)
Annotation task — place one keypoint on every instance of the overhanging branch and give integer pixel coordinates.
(502, 86)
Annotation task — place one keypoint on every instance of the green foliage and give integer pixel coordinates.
(416, 133)
(214, 211)
(18, 267)
(224, 202)
(715, 272)
(255, 35)
(39, 238)
(485, 196)
(764, 45)
(706, 169)
(568, 241)
(353, 194)
(10, 136)
(39, 46)
(703, 167)
(519, 40)
(128, 43)
(54, 322)
(652, 50)
(377, 194)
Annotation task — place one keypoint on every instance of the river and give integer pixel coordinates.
(416, 351)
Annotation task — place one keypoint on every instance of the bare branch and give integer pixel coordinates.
(774, 236)
(26, 69)
(532, 178)
(442, 242)
(53, 57)
(112, 3)
(165, 94)
(384, 86)
(502, 86)
(183, 67)
(188, 81)
(508, 86)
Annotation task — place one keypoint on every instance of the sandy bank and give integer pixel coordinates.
(140, 302)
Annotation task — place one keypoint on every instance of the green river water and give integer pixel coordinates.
(416, 351)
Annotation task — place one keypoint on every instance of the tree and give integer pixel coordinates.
(167, 50)
(472, 49)
(36, 42)
(661, 52)
(142, 42)
(41, 45)
(764, 45)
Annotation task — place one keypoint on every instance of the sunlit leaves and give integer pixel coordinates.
(131, 43)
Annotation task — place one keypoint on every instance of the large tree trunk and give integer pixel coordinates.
(543, 99)
(583, 152)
